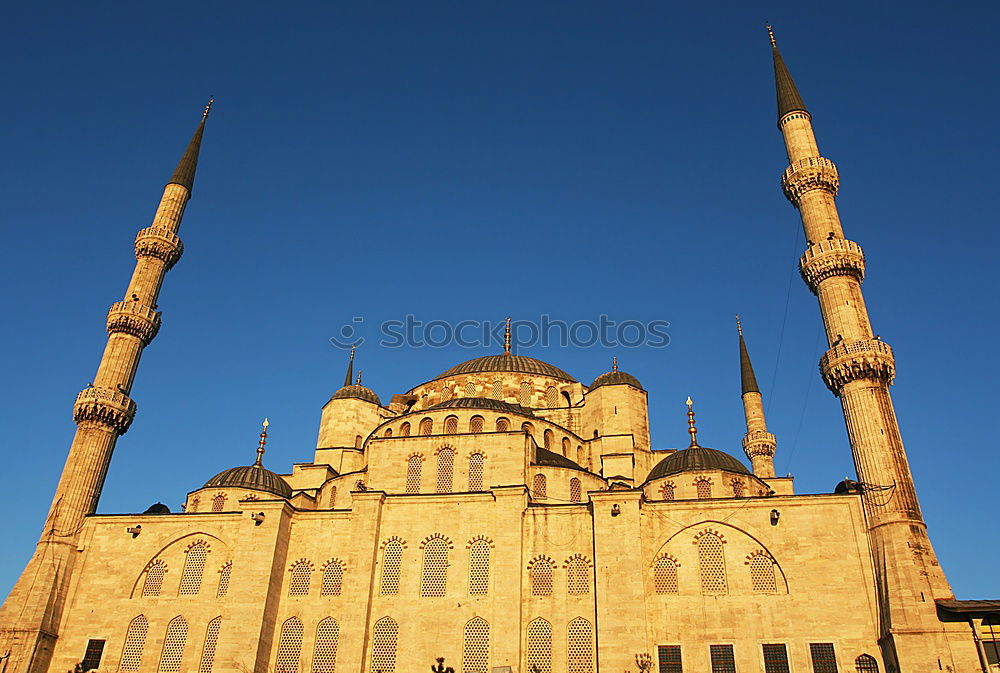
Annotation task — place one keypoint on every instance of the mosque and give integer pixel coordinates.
(507, 517)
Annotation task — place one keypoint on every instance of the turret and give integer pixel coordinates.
(758, 443)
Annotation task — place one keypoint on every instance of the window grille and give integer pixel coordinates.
(301, 578)
(193, 507)
(496, 392)
(575, 494)
(548, 439)
(551, 397)
(219, 503)
(413, 466)
(665, 575)
(470, 388)
(704, 487)
(823, 658)
(208, 651)
(476, 647)
(503, 425)
(392, 559)
(479, 568)
(579, 647)
(224, 574)
(723, 660)
(866, 663)
(739, 491)
(538, 487)
(524, 395)
(446, 464)
(325, 651)
(476, 424)
(577, 577)
(426, 426)
(404, 429)
(333, 497)
(154, 579)
(670, 659)
(135, 641)
(476, 464)
(540, 574)
(667, 491)
(384, 636)
(451, 425)
(333, 579)
(445, 394)
(173, 645)
(775, 658)
(540, 646)
(194, 570)
(712, 564)
(762, 574)
(92, 657)
(434, 575)
(289, 647)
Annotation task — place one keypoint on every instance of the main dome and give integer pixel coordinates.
(252, 477)
(507, 362)
(696, 458)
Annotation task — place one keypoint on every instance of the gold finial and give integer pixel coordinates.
(739, 327)
(506, 337)
(260, 446)
(614, 363)
(204, 115)
(358, 382)
(692, 430)
(770, 33)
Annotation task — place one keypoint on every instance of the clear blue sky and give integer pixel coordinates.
(473, 160)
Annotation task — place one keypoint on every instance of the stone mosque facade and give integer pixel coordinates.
(507, 517)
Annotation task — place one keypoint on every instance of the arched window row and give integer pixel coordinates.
(763, 575)
(541, 575)
(175, 646)
(579, 646)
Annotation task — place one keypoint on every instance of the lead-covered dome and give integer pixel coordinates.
(251, 477)
(483, 403)
(507, 362)
(358, 392)
(696, 459)
(616, 378)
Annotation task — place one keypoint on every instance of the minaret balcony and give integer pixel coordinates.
(161, 243)
(833, 257)
(759, 443)
(135, 318)
(864, 359)
(105, 406)
(808, 174)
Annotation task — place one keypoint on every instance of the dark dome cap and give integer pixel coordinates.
(357, 392)
(507, 362)
(251, 477)
(482, 403)
(696, 459)
(616, 379)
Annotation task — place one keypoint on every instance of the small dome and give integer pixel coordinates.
(252, 477)
(157, 508)
(695, 459)
(847, 486)
(615, 378)
(507, 363)
(358, 392)
(482, 403)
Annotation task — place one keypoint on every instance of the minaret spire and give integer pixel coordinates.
(260, 446)
(758, 443)
(692, 429)
(349, 379)
(31, 615)
(506, 337)
(789, 99)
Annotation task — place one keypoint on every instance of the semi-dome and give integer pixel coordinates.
(482, 403)
(507, 362)
(252, 477)
(358, 392)
(553, 459)
(696, 458)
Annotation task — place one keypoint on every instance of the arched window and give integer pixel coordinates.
(476, 424)
(384, 636)
(426, 426)
(445, 394)
(219, 502)
(173, 645)
(333, 497)
(193, 506)
(581, 456)
(551, 397)
(446, 465)
(404, 429)
(540, 646)
(451, 425)
(503, 425)
(538, 487)
(528, 427)
(540, 574)
(135, 642)
(470, 388)
(289, 647)
(194, 569)
(566, 447)
(224, 574)
(387, 433)
(301, 579)
(476, 463)
(333, 579)
(392, 559)
(704, 488)
(665, 575)
(548, 439)
(667, 490)
(577, 577)
(434, 574)
(580, 646)
(479, 568)
(476, 647)
(575, 492)
(739, 490)
(866, 663)
(712, 564)
(524, 394)
(762, 574)
(496, 391)
(154, 578)
(358, 439)
(325, 651)
(208, 650)
(413, 467)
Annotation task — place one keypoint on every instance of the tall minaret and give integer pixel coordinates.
(858, 368)
(29, 618)
(758, 443)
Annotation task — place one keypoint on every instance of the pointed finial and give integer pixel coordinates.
(748, 380)
(614, 363)
(739, 327)
(204, 115)
(770, 33)
(506, 337)
(358, 382)
(692, 430)
(349, 378)
(260, 447)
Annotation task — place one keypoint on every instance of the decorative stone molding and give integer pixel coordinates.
(665, 556)
(107, 406)
(808, 174)
(708, 531)
(480, 538)
(334, 562)
(161, 243)
(540, 558)
(578, 557)
(198, 543)
(869, 359)
(135, 318)
(394, 538)
(437, 536)
(834, 257)
(301, 561)
(759, 443)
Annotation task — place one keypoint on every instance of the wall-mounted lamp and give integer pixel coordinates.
(258, 518)
(775, 515)
(134, 531)
(615, 509)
